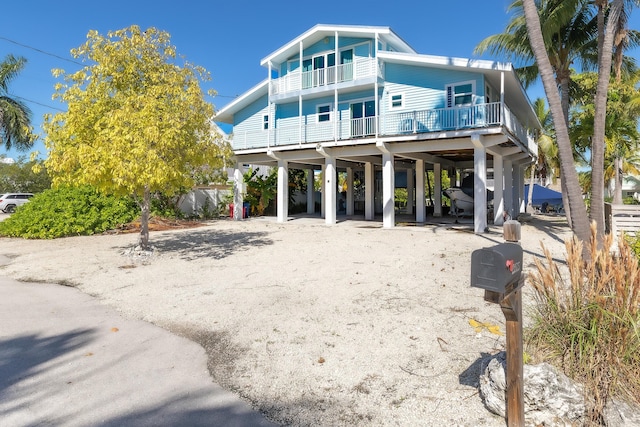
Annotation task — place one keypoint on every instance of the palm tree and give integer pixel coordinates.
(569, 32)
(15, 116)
(606, 37)
(577, 209)
(568, 29)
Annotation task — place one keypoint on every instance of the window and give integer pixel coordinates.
(460, 94)
(265, 122)
(396, 100)
(324, 113)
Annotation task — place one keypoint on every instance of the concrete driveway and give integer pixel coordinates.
(67, 360)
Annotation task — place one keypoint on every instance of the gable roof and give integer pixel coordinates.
(515, 95)
(320, 31)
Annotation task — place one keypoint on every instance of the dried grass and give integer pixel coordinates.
(587, 320)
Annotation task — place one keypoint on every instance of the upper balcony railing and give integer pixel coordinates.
(395, 124)
(296, 80)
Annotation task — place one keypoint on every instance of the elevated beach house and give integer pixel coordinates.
(359, 100)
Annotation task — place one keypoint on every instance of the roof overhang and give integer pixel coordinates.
(225, 115)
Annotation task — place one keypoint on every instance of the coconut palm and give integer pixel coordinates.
(576, 207)
(15, 116)
(569, 33)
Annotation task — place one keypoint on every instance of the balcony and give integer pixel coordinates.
(322, 77)
(396, 124)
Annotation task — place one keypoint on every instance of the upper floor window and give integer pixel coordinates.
(265, 122)
(460, 94)
(396, 100)
(324, 113)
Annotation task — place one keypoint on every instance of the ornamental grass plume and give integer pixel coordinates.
(586, 320)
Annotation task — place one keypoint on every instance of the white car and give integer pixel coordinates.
(9, 201)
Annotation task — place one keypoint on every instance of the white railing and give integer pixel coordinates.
(296, 80)
(419, 121)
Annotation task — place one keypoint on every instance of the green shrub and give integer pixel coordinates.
(68, 211)
(586, 320)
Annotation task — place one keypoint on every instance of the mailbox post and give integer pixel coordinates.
(498, 270)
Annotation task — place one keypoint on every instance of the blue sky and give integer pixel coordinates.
(229, 38)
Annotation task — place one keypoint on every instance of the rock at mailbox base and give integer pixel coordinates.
(550, 397)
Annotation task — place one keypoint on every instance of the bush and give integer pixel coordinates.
(587, 321)
(68, 211)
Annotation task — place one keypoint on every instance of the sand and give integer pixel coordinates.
(349, 324)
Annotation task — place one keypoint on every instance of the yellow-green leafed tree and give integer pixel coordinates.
(136, 120)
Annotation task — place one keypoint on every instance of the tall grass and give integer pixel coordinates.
(586, 320)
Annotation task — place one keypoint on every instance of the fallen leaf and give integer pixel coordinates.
(114, 329)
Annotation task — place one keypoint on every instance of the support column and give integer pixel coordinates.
(410, 191)
(238, 193)
(311, 201)
(369, 186)
(518, 188)
(507, 165)
(283, 191)
(323, 192)
(420, 193)
(498, 190)
(437, 190)
(350, 201)
(329, 194)
(388, 187)
(480, 190)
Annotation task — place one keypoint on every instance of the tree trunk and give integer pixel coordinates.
(617, 190)
(144, 220)
(605, 53)
(578, 212)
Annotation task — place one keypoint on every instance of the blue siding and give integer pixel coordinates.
(249, 119)
(424, 88)
(286, 114)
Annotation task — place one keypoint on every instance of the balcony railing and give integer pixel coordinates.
(405, 123)
(296, 80)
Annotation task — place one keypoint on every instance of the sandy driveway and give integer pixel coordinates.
(349, 324)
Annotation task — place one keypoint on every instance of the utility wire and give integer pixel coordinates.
(38, 103)
(71, 61)
(41, 51)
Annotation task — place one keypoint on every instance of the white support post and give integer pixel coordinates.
(420, 192)
(480, 190)
(311, 201)
(330, 190)
(437, 190)
(519, 190)
(283, 191)
(410, 191)
(323, 192)
(350, 201)
(238, 190)
(507, 165)
(388, 186)
(498, 190)
(369, 186)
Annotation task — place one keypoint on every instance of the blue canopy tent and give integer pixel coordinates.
(543, 195)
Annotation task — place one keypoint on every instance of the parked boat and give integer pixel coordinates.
(461, 203)
(462, 198)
